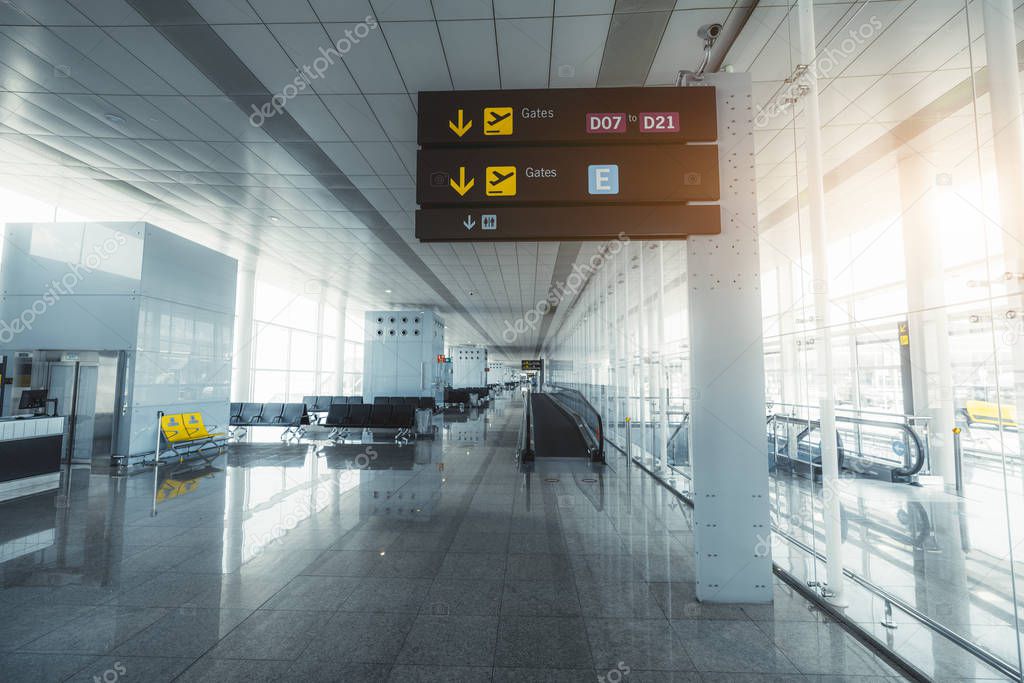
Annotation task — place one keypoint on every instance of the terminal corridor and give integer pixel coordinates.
(436, 561)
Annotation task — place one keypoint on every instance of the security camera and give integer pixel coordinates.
(710, 32)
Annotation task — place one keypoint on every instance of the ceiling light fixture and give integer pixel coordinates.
(274, 219)
(116, 119)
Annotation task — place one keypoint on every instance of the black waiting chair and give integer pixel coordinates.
(271, 414)
(293, 418)
(380, 416)
(358, 416)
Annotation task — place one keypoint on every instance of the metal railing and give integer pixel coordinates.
(525, 442)
(586, 417)
(866, 440)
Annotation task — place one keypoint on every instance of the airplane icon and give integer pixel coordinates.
(498, 121)
(501, 177)
(501, 181)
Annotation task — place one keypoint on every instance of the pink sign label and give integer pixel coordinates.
(606, 123)
(659, 122)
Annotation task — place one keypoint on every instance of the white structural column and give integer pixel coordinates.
(627, 352)
(789, 358)
(820, 287)
(245, 298)
(615, 355)
(340, 333)
(605, 375)
(642, 364)
(1008, 145)
(928, 328)
(730, 468)
(661, 370)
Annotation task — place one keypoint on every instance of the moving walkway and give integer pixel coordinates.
(560, 423)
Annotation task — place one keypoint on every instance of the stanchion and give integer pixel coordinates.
(156, 460)
(958, 462)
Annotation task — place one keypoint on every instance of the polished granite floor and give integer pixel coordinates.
(437, 561)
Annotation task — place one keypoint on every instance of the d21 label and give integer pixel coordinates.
(618, 122)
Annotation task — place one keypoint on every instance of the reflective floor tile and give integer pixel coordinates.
(450, 641)
(407, 673)
(388, 595)
(315, 593)
(551, 642)
(468, 597)
(360, 637)
(637, 644)
(540, 598)
(269, 634)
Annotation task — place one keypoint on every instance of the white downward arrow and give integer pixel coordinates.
(469, 222)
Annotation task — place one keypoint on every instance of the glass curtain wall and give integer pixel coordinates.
(295, 346)
(922, 147)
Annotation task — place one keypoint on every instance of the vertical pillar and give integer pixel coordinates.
(730, 470)
(789, 359)
(608, 326)
(245, 333)
(1008, 145)
(660, 375)
(820, 287)
(642, 349)
(340, 333)
(627, 352)
(928, 329)
(612, 294)
(318, 349)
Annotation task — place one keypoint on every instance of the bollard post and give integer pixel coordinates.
(888, 621)
(958, 463)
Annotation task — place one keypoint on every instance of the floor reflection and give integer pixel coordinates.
(355, 560)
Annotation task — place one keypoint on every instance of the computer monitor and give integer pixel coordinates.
(32, 399)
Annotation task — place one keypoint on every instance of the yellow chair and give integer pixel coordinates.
(186, 433)
(173, 428)
(990, 414)
(196, 429)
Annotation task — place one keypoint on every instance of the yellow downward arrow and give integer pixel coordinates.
(461, 128)
(462, 187)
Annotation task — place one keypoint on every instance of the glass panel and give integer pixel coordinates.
(271, 347)
(303, 351)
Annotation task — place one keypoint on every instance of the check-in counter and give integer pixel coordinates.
(30, 455)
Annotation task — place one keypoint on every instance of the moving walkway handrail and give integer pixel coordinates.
(910, 466)
(586, 417)
(525, 447)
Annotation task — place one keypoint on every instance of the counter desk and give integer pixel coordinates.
(30, 455)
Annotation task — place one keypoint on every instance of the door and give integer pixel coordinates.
(84, 417)
(60, 385)
(86, 394)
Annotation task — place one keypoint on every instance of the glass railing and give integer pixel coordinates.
(925, 578)
(588, 418)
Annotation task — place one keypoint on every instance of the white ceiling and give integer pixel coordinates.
(184, 156)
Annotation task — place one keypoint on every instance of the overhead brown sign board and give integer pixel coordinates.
(567, 164)
(568, 116)
(563, 223)
(533, 365)
(567, 175)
